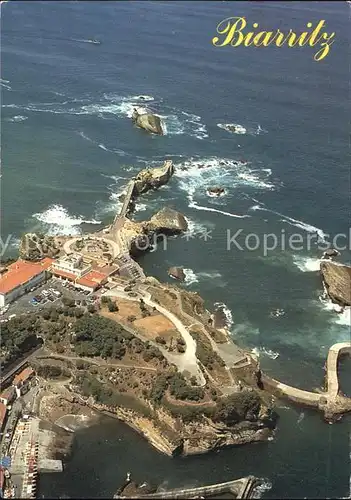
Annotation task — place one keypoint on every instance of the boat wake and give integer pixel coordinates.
(293, 222)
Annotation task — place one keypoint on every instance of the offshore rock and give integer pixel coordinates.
(215, 191)
(169, 221)
(337, 280)
(142, 236)
(148, 121)
(153, 178)
(177, 273)
(330, 253)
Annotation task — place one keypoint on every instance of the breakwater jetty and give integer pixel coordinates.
(238, 488)
(330, 401)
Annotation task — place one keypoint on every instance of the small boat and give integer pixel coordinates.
(95, 42)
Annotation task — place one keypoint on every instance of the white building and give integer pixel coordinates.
(72, 265)
(19, 277)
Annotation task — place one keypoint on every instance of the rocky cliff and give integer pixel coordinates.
(337, 280)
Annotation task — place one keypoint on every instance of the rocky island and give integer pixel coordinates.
(145, 119)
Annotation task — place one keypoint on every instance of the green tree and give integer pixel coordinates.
(112, 306)
(78, 312)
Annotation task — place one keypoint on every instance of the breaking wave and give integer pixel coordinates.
(233, 128)
(17, 118)
(236, 128)
(257, 351)
(57, 220)
(259, 490)
(190, 277)
(342, 316)
(176, 121)
(197, 174)
(220, 306)
(307, 264)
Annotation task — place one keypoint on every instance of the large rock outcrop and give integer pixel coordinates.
(337, 280)
(168, 221)
(148, 121)
(153, 178)
(142, 236)
(177, 273)
(35, 246)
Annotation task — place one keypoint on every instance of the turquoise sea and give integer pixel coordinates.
(69, 148)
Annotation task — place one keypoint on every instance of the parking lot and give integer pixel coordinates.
(25, 304)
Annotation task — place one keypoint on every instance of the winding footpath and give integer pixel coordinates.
(186, 361)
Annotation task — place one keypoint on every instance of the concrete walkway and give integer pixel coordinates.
(330, 401)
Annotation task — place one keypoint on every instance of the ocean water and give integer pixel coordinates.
(69, 148)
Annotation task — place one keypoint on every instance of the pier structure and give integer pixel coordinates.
(238, 488)
(330, 401)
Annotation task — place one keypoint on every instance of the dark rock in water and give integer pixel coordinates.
(177, 273)
(220, 319)
(337, 279)
(330, 253)
(215, 191)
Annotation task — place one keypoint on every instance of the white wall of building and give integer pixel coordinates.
(6, 298)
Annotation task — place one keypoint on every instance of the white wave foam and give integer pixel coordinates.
(190, 277)
(259, 490)
(140, 207)
(209, 209)
(197, 228)
(17, 118)
(85, 136)
(58, 221)
(342, 316)
(294, 222)
(5, 85)
(196, 175)
(257, 351)
(234, 128)
(143, 98)
(307, 264)
(227, 313)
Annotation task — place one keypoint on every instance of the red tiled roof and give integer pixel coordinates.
(63, 274)
(92, 279)
(20, 272)
(23, 375)
(3, 411)
(7, 393)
